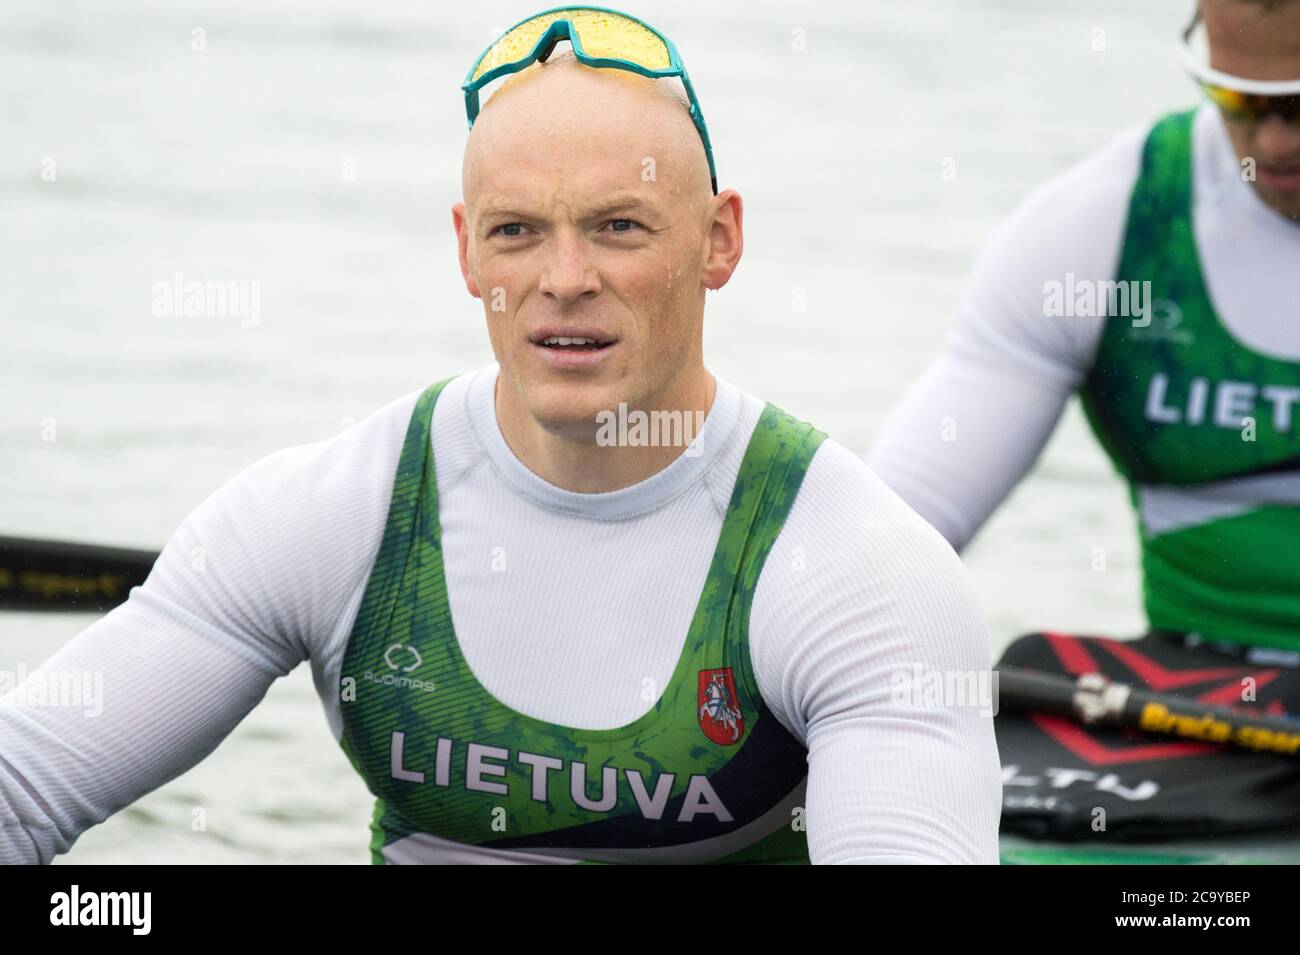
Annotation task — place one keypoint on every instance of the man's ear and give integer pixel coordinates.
(726, 239)
(461, 225)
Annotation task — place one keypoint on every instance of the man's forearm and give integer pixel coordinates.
(155, 692)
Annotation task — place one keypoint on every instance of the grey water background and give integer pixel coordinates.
(226, 164)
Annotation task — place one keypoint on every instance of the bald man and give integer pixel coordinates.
(589, 603)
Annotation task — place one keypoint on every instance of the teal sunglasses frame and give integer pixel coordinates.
(564, 30)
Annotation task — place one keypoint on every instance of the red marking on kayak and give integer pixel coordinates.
(1076, 659)
(1074, 656)
(1230, 693)
(1159, 677)
(1079, 742)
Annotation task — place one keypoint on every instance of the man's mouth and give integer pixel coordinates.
(572, 349)
(571, 339)
(1280, 178)
(574, 343)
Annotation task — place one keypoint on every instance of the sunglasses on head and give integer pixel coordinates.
(1240, 98)
(598, 37)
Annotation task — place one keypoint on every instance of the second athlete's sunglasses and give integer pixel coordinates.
(1240, 98)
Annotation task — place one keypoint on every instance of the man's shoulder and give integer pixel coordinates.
(841, 482)
(301, 495)
(854, 573)
(291, 536)
(851, 520)
(370, 447)
(838, 485)
(1069, 230)
(1075, 204)
(379, 428)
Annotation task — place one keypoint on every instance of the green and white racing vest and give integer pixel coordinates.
(1203, 427)
(708, 774)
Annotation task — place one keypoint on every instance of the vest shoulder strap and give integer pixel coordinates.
(414, 480)
(780, 451)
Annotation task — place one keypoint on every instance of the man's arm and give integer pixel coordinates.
(974, 423)
(963, 437)
(253, 581)
(168, 688)
(861, 616)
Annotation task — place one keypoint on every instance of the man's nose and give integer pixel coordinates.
(1276, 139)
(569, 273)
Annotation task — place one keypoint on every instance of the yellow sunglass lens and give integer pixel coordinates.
(608, 35)
(605, 35)
(1232, 101)
(1251, 107)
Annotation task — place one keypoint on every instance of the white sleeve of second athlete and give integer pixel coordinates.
(975, 422)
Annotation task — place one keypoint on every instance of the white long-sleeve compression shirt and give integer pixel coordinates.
(271, 569)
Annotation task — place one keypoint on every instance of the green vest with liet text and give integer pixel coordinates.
(1205, 429)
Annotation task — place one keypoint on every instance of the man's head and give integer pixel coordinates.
(588, 212)
(1260, 40)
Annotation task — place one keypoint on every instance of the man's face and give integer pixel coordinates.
(587, 215)
(1249, 41)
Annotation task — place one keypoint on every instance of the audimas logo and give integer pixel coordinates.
(400, 659)
(102, 908)
(1163, 325)
(397, 652)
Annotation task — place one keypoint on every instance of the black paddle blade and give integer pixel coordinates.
(56, 575)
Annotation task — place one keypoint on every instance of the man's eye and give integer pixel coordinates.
(510, 229)
(623, 225)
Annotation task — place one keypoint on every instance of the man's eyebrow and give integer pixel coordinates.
(493, 209)
(622, 204)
